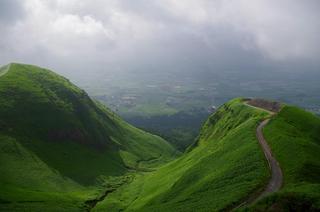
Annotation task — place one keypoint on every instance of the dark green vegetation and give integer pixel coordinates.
(180, 129)
(294, 137)
(226, 165)
(54, 141)
(218, 171)
(62, 151)
(145, 97)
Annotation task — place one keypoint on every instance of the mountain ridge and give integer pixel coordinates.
(227, 165)
(53, 135)
(62, 151)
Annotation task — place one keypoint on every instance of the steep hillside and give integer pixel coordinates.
(219, 171)
(4, 70)
(294, 137)
(54, 138)
(62, 151)
(226, 166)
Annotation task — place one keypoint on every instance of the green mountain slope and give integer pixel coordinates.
(226, 166)
(54, 138)
(27, 183)
(294, 137)
(222, 168)
(4, 70)
(59, 149)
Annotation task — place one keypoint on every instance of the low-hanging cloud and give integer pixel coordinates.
(110, 35)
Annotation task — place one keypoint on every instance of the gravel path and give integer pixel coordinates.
(276, 173)
(276, 179)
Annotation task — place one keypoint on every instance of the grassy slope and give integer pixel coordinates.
(223, 167)
(294, 137)
(27, 183)
(226, 163)
(4, 69)
(51, 126)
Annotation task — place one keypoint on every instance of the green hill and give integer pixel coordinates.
(54, 138)
(62, 151)
(226, 166)
(294, 137)
(221, 169)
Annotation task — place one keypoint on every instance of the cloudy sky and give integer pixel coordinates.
(74, 36)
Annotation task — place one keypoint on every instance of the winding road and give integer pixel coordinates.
(275, 182)
(276, 179)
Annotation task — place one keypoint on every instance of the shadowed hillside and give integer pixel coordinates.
(226, 166)
(62, 151)
(54, 138)
(220, 170)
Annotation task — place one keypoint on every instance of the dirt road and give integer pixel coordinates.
(276, 179)
(276, 173)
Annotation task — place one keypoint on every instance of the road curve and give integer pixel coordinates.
(276, 179)
(275, 182)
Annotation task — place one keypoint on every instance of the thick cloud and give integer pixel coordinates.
(111, 35)
(11, 11)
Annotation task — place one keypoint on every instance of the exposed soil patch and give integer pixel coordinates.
(112, 186)
(90, 204)
(275, 182)
(272, 106)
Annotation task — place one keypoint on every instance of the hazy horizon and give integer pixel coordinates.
(93, 37)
